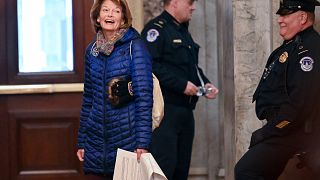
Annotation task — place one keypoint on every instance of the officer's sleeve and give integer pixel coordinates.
(303, 90)
(205, 79)
(154, 37)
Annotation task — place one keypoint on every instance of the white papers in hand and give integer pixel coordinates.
(128, 168)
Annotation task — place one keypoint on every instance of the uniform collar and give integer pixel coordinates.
(299, 35)
(306, 31)
(170, 19)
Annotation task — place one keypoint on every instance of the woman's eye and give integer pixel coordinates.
(116, 11)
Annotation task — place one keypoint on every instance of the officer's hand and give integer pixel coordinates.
(256, 137)
(212, 91)
(191, 89)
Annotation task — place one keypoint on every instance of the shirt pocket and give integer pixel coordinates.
(180, 52)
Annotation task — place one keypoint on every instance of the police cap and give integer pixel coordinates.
(291, 6)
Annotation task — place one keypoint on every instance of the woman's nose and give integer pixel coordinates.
(109, 14)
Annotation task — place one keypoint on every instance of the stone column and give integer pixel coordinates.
(252, 45)
(136, 8)
(152, 8)
(317, 25)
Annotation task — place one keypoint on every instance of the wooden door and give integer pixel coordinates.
(39, 112)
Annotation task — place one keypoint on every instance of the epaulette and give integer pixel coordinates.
(306, 61)
(301, 48)
(160, 23)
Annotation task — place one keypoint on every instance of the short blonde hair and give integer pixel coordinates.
(95, 11)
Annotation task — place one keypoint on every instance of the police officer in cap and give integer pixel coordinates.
(175, 63)
(287, 96)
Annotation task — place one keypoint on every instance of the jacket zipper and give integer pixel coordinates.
(129, 120)
(130, 73)
(104, 116)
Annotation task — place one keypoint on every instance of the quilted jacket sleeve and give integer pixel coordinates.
(142, 85)
(86, 102)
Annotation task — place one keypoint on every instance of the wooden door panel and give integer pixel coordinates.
(43, 131)
(44, 145)
(4, 139)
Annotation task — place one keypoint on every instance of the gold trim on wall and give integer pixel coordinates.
(41, 88)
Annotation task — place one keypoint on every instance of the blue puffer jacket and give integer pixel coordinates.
(104, 129)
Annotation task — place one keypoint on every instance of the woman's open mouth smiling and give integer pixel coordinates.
(109, 21)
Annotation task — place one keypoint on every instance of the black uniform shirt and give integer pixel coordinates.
(288, 92)
(175, 58)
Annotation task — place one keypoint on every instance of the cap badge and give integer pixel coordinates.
(152, 35)
(284, 56)
(306, 64)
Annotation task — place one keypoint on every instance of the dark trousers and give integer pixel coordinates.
(172, 142)
(264, 161)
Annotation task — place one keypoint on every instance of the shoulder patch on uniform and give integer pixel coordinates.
(306, 64)
(152, 35)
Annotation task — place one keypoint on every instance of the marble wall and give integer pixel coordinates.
(152, 8)
(252, 45)
(137, 13)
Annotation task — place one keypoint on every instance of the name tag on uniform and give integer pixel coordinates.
(177, 41)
